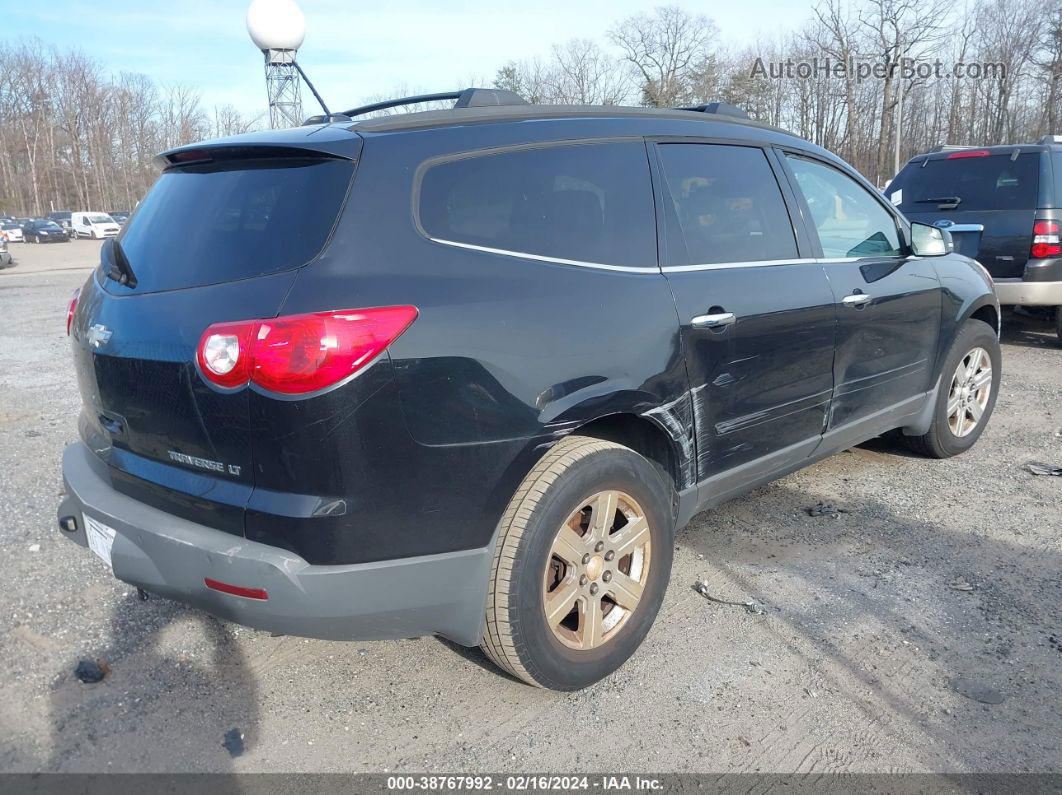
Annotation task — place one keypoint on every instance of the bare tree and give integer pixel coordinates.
(664, 47)
(583, 74)
(71, 137)
(1048, 62)
(838, 36)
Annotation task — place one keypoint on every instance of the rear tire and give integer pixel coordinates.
(1058, 323)
(581, 563)
(962, 409)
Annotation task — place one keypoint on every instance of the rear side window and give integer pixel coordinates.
(589, 203)
(233, 220)
(849, 220)
(996, 182)
(1056, 163)
(726, 204)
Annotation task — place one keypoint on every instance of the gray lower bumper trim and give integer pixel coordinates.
(435, 594)
(1012, 292)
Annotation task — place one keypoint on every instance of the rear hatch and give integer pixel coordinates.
(220, 237)
(997, 189)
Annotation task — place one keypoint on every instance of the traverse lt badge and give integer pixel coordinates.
(203, 463)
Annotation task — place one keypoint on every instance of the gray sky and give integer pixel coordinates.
(352, 50)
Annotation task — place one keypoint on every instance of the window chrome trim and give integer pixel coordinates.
(542, 258)
(710, 266)
(760, 263)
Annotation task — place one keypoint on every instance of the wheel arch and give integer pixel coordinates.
(646, 436)
(985, 310)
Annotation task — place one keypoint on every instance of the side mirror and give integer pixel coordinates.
(930, 241)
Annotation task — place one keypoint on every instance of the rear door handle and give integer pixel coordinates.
(713, 321)
(856, 300)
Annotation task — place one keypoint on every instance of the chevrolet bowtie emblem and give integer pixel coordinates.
(99, 335)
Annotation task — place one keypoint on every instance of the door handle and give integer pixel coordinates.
(713, 321)
(856, 300)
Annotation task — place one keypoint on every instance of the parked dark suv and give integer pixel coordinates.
(465, 372)
(1014, 193)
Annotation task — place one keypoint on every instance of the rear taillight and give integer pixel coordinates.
(299, 354)
(1046, 240)
(70, 310)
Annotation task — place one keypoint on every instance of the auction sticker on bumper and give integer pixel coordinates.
(100, 538)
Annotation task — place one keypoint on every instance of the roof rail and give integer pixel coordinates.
(468, 98)
(722, 108)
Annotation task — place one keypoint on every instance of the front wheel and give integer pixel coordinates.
(969, 383)
(581, 563)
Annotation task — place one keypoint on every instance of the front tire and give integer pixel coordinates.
(581, 563)
(969, 384)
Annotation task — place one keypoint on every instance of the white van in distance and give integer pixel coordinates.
(94, 225)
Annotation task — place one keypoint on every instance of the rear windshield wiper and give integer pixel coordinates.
(121, 271)
(954, 200)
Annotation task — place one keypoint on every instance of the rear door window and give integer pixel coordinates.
(850, 221)
(995, 182)
(726, 204)
(219, 222)
(584, 203)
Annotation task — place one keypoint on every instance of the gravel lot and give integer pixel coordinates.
(940, 585)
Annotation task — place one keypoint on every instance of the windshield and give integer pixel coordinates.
(10, 226)
(220, 222)
(99, 218)
(997, 182)
(47, 225)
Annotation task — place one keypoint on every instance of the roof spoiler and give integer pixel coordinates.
(948, 148)
(468, 98)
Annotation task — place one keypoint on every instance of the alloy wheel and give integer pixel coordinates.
(971, 387)
(597, 570)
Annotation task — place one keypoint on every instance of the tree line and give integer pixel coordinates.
(876, 81)
(73, 137)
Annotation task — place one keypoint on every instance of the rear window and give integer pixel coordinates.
(997, 182)
(214, 223)
(585, 203)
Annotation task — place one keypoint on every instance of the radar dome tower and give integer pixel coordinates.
(277, 28)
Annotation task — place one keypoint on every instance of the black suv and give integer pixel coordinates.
(465, 372)
(1012, 195)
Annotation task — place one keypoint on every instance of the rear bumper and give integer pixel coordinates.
(442, 594)
(1014, 292)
